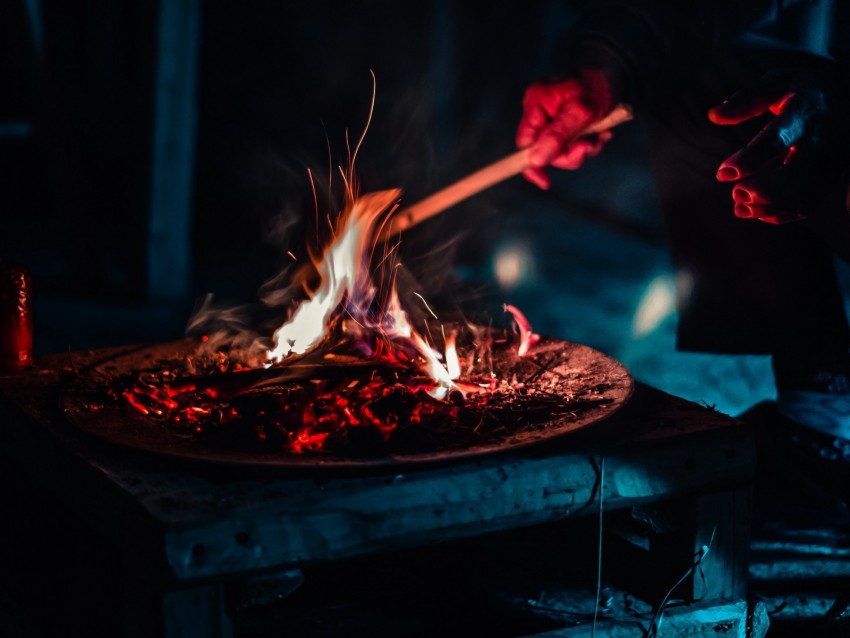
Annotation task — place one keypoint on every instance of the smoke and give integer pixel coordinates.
(229, 329)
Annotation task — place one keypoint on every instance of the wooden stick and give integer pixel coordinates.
(486, 177)
(471, 184)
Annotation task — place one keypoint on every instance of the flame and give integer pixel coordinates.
(345, 289)
(343, 272)
(345, 304)
(527, 337)
(345, 285)
(345, 281)
(452, 360)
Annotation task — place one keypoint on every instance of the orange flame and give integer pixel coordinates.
(346, 284)
(343, 272)
(527, 337)
(346, 289)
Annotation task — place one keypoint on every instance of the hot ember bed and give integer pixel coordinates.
(331, 407)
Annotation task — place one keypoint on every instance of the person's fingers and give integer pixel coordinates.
(765, 148)
(768, 214)
(573, 158)
(778, 195)
(779, 106)
(532, 122)
(538, 177)
(541, 104)
(728, 172)
(743, 211)
(553, 116)
(748, 195)
(560, 134)
(598, 144)
(550, 97)
(729, 113)
(750, 101)
(772, 144)
(789, 183)
(793, 128)
(534, 116)
(552, 141)
(789, 126)
(583, 148)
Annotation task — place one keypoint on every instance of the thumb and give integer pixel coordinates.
(744, 105)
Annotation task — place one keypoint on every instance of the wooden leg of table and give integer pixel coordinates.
(718, 522)
(723, 525)
(199, 611)
(154, 605)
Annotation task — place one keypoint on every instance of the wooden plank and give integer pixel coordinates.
(345, 517)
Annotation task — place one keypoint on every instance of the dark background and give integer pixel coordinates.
(259, 93)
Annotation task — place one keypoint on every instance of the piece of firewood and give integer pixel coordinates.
(486, 177)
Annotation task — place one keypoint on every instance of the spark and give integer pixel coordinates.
(427, 307)
(368, 122)
(315, 203)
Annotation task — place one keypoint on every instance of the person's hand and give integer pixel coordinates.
(554, 113)
(786, 166)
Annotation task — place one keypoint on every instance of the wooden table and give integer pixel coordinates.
(166, 540)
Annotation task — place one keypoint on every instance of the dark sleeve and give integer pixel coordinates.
(643, 43)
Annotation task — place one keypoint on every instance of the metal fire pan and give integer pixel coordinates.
(595, 381)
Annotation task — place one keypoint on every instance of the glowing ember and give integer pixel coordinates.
(340, 404)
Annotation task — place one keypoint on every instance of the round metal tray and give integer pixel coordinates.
(592, 380)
